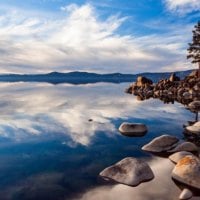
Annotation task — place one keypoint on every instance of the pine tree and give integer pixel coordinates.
(194, 47)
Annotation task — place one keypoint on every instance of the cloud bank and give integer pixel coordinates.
(79, 39)
(183, 6)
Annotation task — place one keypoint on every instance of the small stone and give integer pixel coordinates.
(178, 156)
(186, 194)
(129, 171)
(187, 171)
(130, 129)
(161, 144)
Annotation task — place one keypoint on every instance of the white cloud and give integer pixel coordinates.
(183, 6)
(79, 40)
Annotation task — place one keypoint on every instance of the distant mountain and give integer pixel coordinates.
(85, 77)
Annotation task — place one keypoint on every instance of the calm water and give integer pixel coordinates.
(49, 150)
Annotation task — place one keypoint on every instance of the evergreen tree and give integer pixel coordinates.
(194, 47)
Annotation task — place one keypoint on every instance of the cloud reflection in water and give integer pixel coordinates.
(28, 110)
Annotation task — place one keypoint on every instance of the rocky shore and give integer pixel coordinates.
(168, 90)
(184, 153)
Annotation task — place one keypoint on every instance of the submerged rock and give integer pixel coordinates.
(185, 146)
(161, 144)
(186, 194)
(179, 155)
(187, 171)
(130, 129)
(129, 171)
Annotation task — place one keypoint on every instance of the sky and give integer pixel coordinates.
(102, 36)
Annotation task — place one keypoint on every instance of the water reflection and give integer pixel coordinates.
(54, 140)
(35, 109)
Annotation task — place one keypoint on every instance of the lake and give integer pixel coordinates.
(56, 139)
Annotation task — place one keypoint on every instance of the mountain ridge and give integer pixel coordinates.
(77, 77)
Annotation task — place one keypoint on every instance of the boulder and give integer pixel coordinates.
(186, 95)
(133, 129)
(129, 171)
(185, 146)
(179, 155)
(173, 77)
(194, 106)
(143, 81)
(186, 194)
(180, 91)
(195, 128)
(161, 144)
(187, 171)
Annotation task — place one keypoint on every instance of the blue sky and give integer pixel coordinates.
(129, 36)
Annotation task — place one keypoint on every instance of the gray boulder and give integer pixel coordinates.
(195, 128)
(161, 144)
(185, 146)
(194, 106)
(129, 171)
(133, 129)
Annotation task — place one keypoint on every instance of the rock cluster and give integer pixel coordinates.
(187, 165)
(131, 171)
(168, 90)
